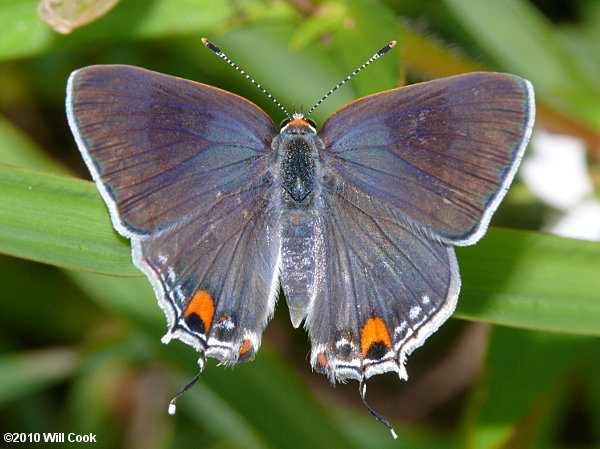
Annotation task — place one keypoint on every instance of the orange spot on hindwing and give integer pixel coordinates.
(322, 360)
(321, 366)
(245, 347)
(374, 331)
(246, 351)
(199, 312)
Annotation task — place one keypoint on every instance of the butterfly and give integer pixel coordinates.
(356, 223)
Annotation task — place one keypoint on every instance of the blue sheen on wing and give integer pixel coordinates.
(185, 171)
(165, 147)
(441, 153)
(379, 270)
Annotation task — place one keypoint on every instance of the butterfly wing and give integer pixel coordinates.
(184, 170)
(387, 287)
(442, 152)
(409, 172)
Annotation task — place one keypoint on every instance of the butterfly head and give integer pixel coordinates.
(298, 125)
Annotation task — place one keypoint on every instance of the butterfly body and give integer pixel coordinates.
(299, 169)
(355, 223)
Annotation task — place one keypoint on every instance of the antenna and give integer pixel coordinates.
(216, 50)
(377, 55)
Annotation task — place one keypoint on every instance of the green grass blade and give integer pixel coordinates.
(61, 221)
(531, 280)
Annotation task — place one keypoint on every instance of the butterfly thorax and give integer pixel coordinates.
(298, 189)
(297, 148)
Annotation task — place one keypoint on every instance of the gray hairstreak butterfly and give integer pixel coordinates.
(356, 223)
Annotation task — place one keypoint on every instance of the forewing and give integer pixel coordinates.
(386, 287)
(161, 148)
(184, 169)
(442, 153)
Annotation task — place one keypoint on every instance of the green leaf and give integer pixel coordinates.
(516, 35)
(431, 58)
(531, 280)
(61, 221)
(131, 298)
(327, 18)
(300, 77)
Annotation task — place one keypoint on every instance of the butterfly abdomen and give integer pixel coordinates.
(298, 261)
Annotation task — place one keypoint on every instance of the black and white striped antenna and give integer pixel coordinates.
(377, 55)
(216, 50)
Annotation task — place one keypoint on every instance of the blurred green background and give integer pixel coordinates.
(518, 366)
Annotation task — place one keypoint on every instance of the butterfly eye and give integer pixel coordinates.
(311, 123)
(284, 122)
